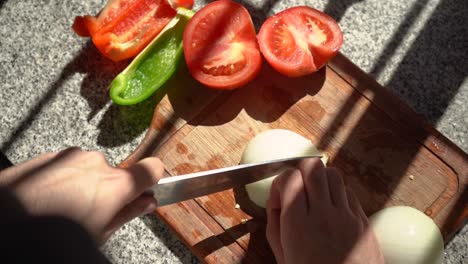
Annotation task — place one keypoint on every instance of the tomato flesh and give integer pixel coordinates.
(299, 40)
(220, 46)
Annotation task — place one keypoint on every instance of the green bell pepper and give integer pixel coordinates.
(154, 65)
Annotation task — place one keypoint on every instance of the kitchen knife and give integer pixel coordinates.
(183, 187)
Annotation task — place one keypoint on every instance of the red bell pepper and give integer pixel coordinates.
(124, 27)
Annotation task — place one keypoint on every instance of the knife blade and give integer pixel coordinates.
(175, 189)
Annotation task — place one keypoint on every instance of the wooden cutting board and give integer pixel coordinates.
(389, 155)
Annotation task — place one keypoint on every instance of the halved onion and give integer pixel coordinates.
(270, 145)
(407, 235)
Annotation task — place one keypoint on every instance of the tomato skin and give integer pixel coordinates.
(299, 41)
(220, 46)
(124, 27)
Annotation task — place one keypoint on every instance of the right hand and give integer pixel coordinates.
(312, 218)
(83, 187)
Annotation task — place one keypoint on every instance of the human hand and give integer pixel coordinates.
(83, 187)
(312, 218)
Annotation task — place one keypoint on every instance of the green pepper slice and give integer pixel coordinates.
(154, 65)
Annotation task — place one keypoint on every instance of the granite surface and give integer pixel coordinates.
(54, 87)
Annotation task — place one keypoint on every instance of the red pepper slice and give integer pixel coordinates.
(124, 27)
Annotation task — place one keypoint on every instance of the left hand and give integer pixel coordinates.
(313, 218)
(83, 187)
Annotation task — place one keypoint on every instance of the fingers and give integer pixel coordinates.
(292, 195)
(274, 200)
(273, 209)
(143, 204)
(140, 177)
(315, 181)
(273, 233)
(337, 188)
(356, 207)
(286, 204)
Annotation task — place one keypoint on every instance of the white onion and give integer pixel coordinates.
(270, 145)
(407, 235)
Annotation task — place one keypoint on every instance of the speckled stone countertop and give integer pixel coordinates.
(53, 87)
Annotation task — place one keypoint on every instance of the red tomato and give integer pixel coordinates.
(220, 46)
(124, 27)
(299, 40)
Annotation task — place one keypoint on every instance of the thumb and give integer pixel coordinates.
(140, 177)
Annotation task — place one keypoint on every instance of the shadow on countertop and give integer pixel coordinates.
(161, 230)
(119, 125)
(434, 68)
(337, 8)
(4, 162)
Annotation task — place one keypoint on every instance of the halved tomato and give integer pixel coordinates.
(220, 46)
(299, 40)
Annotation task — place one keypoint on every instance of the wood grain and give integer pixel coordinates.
(389, 155)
